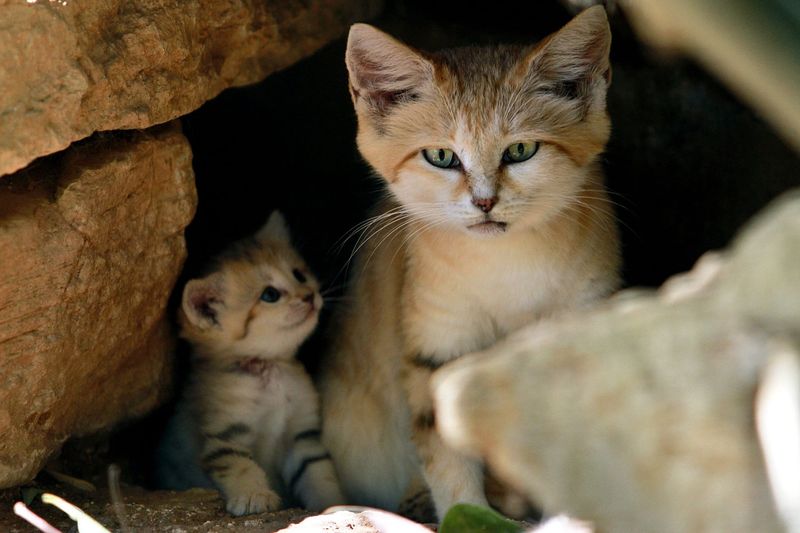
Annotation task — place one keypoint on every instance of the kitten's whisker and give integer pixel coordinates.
(333, 288)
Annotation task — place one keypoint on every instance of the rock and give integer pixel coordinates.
(70, 68)
(639, 416)
(461, 518)
(357, 520)
(92, 243)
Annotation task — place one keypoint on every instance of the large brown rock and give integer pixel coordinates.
(69, 68)
(91, 242)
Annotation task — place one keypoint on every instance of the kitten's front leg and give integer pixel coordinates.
(452, 477)
(308, 469)
(309, 473)
(227, 460)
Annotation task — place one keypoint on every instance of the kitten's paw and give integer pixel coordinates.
(253, 503)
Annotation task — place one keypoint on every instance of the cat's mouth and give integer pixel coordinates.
(488, 227)
(312, 311)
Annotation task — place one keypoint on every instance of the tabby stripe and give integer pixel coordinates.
(425, 421)
(427, 362)
(301, 470)
(231, 431)
(308, 434)
(219, 470)
(222, 452)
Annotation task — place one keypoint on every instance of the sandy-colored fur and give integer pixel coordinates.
(428, 288)
(249, 421)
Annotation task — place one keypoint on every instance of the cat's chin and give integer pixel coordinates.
(488, 228)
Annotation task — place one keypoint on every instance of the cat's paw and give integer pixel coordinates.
(253, 502)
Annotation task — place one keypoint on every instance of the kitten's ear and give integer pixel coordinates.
(202, 301)
(382, 69)
(275, 229)
(573, 62)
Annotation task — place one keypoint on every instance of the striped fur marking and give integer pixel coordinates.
(425, 421)
(308, 434)
(301, 470)
(234, 430)
(224, 452)
(426, 362)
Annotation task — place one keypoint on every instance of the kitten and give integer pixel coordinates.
(498, 217)
(249, 421)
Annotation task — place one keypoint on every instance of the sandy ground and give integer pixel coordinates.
(178, 512)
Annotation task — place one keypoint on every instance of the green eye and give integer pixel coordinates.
(519, 152)
(441, 157)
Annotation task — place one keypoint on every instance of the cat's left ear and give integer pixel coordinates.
(275, 229)
(382, 70)
(573, 62)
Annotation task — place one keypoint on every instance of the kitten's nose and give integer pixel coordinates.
(309, 298)
(484, 204)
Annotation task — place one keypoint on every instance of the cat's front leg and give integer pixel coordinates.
(227, 460)
(452, 477)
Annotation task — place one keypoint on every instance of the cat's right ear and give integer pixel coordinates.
(202, 301)
(573, 63)
(383, 71)
(275, 229)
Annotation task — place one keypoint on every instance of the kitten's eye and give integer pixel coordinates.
(519, 152)
(441, 157)
(298, 275)
(271, 295)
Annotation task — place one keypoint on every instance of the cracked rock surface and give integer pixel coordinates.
(91, 243)
(70, 68)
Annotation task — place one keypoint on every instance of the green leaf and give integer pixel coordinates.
(29, 494)
(465, 518)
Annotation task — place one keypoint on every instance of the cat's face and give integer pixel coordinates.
(261, 301)
(483, 140)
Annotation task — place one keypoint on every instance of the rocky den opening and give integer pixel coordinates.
(92, 224)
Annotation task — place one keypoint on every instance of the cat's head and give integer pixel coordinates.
(483, 140)
(259, 300)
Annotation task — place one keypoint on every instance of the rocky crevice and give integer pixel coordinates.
(70, 68)
(92, 244)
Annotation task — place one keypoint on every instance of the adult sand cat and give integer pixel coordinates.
(249, 422)
(497, 217)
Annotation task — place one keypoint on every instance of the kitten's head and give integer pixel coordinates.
(483, 140)
(259, 300)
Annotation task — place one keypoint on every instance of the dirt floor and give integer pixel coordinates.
(178, 512)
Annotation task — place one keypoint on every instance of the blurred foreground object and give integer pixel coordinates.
(753, 46)
(641, 415)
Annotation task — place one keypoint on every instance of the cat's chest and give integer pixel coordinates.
(467, 304)
(267, 388)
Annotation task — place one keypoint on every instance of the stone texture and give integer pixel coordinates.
(69, 68)
(92, 243)
(359, 520)
(639, 416)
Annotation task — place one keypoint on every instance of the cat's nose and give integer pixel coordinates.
(309, 298)
(484, 204)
